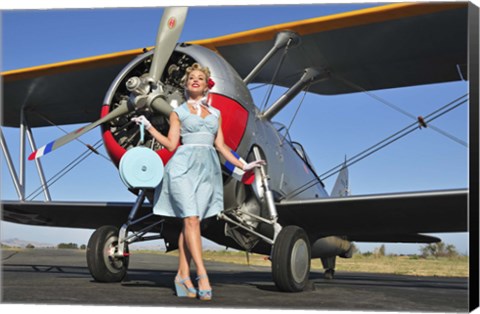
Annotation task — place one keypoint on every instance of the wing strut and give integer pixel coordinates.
(310, 75)
(19, 180)
(283, 39)
(11, 168)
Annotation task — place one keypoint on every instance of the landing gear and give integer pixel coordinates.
(291, 259)
(329, 273)
(107, 249)
(103, 261)
(329, 266)
(290, 247)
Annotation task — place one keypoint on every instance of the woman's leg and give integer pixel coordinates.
(191, 230)
(184, 258)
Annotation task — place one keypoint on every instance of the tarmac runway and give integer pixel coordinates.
(41, 276)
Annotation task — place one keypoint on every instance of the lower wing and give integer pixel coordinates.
(373, 218)
(88, 215)
(380, 218)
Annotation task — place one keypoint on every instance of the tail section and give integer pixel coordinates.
(341, 188)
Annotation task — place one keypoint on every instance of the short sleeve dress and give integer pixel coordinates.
(192, 183)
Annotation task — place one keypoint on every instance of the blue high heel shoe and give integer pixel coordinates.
(182, 289)
(204, 295)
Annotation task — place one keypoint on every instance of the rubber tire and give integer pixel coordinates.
(101, 264)
(291, 240)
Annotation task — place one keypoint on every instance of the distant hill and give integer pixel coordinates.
(150, 245)
(23, 243)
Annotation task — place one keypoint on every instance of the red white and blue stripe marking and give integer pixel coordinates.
(237, 173)
(42, 151)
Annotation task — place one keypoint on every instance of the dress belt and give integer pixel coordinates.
(198, 139)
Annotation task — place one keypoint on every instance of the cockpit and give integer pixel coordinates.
(297, 147)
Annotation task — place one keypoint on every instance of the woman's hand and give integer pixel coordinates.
(253, 164)
(141, 119)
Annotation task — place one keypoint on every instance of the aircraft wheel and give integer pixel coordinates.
(291, 259)
(103, 265)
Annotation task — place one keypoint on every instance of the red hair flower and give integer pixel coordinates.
(210, 83)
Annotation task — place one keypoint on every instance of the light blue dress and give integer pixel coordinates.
(192, 183)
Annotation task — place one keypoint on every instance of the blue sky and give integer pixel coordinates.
(329, 127)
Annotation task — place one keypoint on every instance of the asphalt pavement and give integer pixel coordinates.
(61, 277)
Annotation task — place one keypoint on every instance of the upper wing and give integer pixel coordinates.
(382, 47)
(379, 217)
(61, 93)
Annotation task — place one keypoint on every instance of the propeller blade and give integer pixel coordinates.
(161, 106)
(168, 35)
(122, 109)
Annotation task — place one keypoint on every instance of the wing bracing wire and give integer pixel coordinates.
(382, 144)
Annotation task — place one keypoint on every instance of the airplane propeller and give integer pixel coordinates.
(169, 31)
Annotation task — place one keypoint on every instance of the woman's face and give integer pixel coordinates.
(196, 83)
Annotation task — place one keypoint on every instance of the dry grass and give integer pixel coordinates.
(406, 265)
(400, 265)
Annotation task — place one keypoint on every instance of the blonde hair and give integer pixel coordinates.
(196, 67)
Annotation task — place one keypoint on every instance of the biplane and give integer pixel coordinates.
(283, 210)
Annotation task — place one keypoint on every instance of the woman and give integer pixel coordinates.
(192, 187)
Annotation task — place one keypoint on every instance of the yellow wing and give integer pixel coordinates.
(381, 47)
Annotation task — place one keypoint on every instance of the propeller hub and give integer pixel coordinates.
(138, 86)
